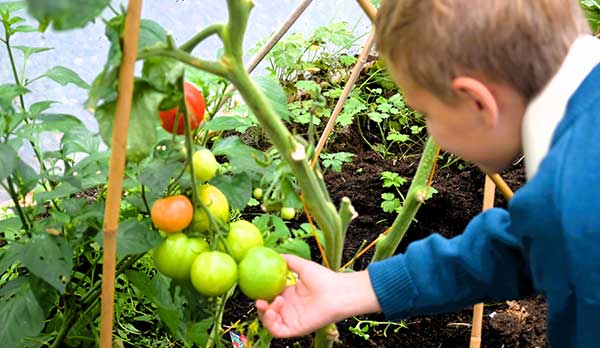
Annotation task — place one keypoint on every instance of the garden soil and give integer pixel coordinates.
(519, 323)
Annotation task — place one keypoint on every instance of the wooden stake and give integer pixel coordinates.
(502, 186)
(362, 59)
(369, 9)
(488, 202)
(117, 167)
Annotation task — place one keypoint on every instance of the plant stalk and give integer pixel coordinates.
(416, 195)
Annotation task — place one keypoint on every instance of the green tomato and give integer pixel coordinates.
(243, 236)
(205, 165)
(217, 204)
(287, 213)
(263, 274)
(213, 273)
(174, 256)
(257, 193)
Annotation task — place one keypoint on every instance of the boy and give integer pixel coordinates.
(493, 78)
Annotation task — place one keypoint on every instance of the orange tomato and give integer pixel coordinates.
(172, 214)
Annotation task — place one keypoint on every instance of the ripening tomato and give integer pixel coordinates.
(217, 204)
(196, 106)
(243, 236)
(172, 214)
(287, 213)
(213, 273)
(205, 165)
(263, 274)
(257, 193)
(174, 256)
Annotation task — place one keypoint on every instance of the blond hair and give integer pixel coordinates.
(518, 42)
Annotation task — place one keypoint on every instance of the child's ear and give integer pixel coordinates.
(479, 96)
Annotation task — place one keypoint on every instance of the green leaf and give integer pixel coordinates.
(133, 237)
(8, 93)
(46, 295)
(224, 123)
(12, 6)
(237, 188)
(64, 76)
(295, 246)
(66, 14)
(157, 291)
(11, 227)
(242, 157)
(162, 73)
(38, 107)
(27, 177)
(156, 175)
(79, 140)
(198, 331)
(8, 161)
(50, 258)
(28, 51)
(275, 94)
(11, 255)
(308, 85)
(151, 34)
(142, 136)
(21, 316)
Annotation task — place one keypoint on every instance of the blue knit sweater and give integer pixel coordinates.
(547, 242)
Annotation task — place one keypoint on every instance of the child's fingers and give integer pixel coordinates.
(295, 263)
(262, 305)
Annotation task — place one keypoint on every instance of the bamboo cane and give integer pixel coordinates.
(273, 40)
(502, 186)
(362, 59)
(488, 202)
(369, 9)
(117, 167)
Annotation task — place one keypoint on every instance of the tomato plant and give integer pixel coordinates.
(213, 273)
(174, 256)
(243, 236)
(216, 203)
(263, 274)
(196, 106)
(205, 165)
(172, 214)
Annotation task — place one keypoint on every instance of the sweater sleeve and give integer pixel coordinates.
(438, 275)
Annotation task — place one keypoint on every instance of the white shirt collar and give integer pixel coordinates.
(546, 110)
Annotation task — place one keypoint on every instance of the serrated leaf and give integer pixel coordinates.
(275, 94)
(157, 291)
(8, 161)
(162, 73)
(50, 258)
(64, 76)
(224, 123)
(79, 140)
(237, 188)
(242, 157)
(296, 247)
(66, 14)
(133, 238)
(156, 175)
(142, 136)
(21, 316)
(38, 107)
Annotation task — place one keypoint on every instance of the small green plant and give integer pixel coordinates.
(365, 328)
(335, 160)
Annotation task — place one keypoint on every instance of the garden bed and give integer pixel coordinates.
(460, 194)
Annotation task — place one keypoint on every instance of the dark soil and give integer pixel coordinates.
(459, 198)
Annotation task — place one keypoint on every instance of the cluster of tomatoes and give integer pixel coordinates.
(238, 256)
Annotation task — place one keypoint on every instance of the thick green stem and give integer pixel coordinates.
(15, 198)
(201, 36)
(414, 198)
(317, 199)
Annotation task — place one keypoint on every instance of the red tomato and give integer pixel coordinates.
(196, 106)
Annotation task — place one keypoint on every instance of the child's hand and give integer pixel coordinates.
(319, 297)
